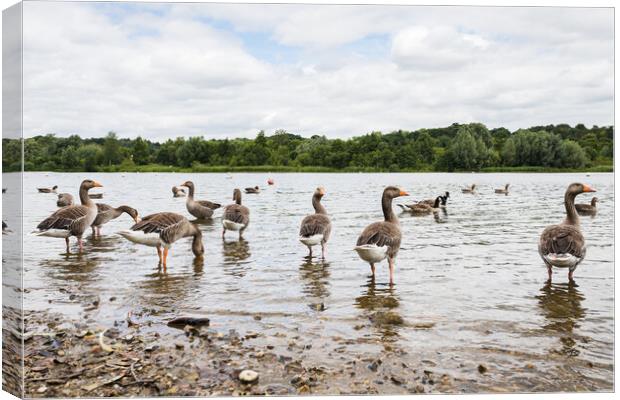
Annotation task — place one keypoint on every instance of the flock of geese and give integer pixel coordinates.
(561, 245)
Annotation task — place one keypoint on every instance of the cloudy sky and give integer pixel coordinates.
(230, 70)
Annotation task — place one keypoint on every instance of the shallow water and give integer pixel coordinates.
(470, 285)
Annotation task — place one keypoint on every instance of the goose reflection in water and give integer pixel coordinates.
(77, 268)
(315, 278)
(560, 304)
(168, 289)
(235, 253)
(380, 305)
(441, 216)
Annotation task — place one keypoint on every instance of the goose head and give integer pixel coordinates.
(197, 246)
(578, 188)
(133, 213)
(392, 192)
(88, 184)
(188, 184)
(237, 196)
(319, 192)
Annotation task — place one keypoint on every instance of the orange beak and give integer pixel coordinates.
(97, 184)
(588, 188)
(403, 193)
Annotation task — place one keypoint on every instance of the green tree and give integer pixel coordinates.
(111, 150)
(140, 153)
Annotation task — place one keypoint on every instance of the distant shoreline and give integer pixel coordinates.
(285, 169)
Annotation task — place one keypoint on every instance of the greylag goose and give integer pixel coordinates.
(315, 228)
(95, 195)
(162, 230)
(236, 216)
(71, 220)
(178, 192)
(48, 190)
(382, 239)
(587, 209)
(64, 200)
(252, 190)
(106, 213)
(471, 189)
(504, 190)
(201, 209)
(563, 245)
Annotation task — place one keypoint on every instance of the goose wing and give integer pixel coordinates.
(380, 234)
(237, 213)
(167, 224)
(209, 204)
(64, 218)
(315, 224)
(103, 208)
(562, 239)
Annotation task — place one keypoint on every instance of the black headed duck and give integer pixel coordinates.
(48, 190)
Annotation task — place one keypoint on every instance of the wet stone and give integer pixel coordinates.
(248, 376)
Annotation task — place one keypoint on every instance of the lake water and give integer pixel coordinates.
(470, 286)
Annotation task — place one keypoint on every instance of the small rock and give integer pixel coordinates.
(112, 298)
(179, 346)
(42, 389)
(482, 369)
(248, 376)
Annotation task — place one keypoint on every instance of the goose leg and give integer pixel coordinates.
(372, 269)
(323, 250)
(165, 257)
(67, 242)
(94, 231)
(549, 272)
(159, 253)
(98, 231)
(81, 246)
(223, 232)
(391, 263)
(310, 249)
(570, 275)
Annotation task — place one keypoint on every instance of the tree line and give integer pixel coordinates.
(458, 147)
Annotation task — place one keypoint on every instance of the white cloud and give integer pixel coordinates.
(192, 69)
